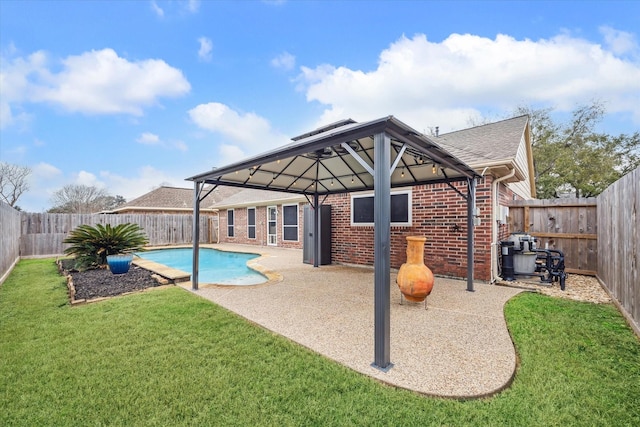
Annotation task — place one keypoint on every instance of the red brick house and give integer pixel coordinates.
(500, 153)
(259, 217)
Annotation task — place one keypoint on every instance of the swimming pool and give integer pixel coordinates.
(220, 267)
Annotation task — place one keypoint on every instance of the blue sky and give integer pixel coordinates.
(131, 95)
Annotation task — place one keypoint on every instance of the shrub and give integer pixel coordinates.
(91, 245)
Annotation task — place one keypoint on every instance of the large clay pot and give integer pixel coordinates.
(414, 278)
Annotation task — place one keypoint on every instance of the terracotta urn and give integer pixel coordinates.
(414, 278)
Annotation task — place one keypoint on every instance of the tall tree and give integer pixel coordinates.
(77, 198)
(14, 181)
(573, 157)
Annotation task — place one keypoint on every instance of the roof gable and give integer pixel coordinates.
(490, 143)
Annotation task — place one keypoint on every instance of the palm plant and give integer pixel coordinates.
(92, 245)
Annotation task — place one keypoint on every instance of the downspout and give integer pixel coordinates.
(218, 225)
(494, 223)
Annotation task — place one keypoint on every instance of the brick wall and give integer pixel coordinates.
(241, 230)
(439, 214)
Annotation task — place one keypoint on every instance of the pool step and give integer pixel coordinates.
(172, 274)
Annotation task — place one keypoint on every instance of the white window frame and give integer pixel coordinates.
(255, 220)
(409, 222)
(231, 227)
(285, 226)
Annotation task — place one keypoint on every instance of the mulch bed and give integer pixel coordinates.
(100, 282)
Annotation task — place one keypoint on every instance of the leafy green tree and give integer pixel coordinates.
(91, 245)
(573, 157)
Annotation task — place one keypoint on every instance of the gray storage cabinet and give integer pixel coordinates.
(324, 234)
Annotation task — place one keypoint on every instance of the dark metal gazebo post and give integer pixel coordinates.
(196, 234)
(471, 206)
(382, 250)
(316, 230)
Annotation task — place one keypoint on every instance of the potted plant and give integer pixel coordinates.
(102, 245)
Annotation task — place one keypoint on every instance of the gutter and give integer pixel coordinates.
(494, 223)
(151, 208)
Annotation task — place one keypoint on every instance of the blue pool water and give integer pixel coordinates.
(226, 268)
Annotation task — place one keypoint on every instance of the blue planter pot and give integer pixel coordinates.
(119, 264)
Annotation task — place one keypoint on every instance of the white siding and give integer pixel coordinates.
(522, 188)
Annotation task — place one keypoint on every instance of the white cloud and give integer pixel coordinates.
(142, 181)
(228, 154)
(46, 179)
(620, 42)
(148, 138)
(204, 53)
(95, 82)
(157, 9)
(6, 115)
(45, 171)
(285, 61)
(172, 8)
(249, 130)
(193, 5)
(425, 83)
(244, 134)
(88, 179)
(15, 86)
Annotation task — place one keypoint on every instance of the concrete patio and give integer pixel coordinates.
(458, 347)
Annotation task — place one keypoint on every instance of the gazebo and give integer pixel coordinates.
(346, 157)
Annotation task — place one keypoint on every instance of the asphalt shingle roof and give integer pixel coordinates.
(182, 198)
(487, 143)
(177, 198)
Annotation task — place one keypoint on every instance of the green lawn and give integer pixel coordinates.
(167, 357)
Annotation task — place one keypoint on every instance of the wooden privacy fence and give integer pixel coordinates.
(9, 239)
(43, 233)
(619, 244)
(568, 225)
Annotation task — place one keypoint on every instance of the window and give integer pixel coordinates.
(362, 208)
(290, 222)
(251, 223)
(230, 223)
